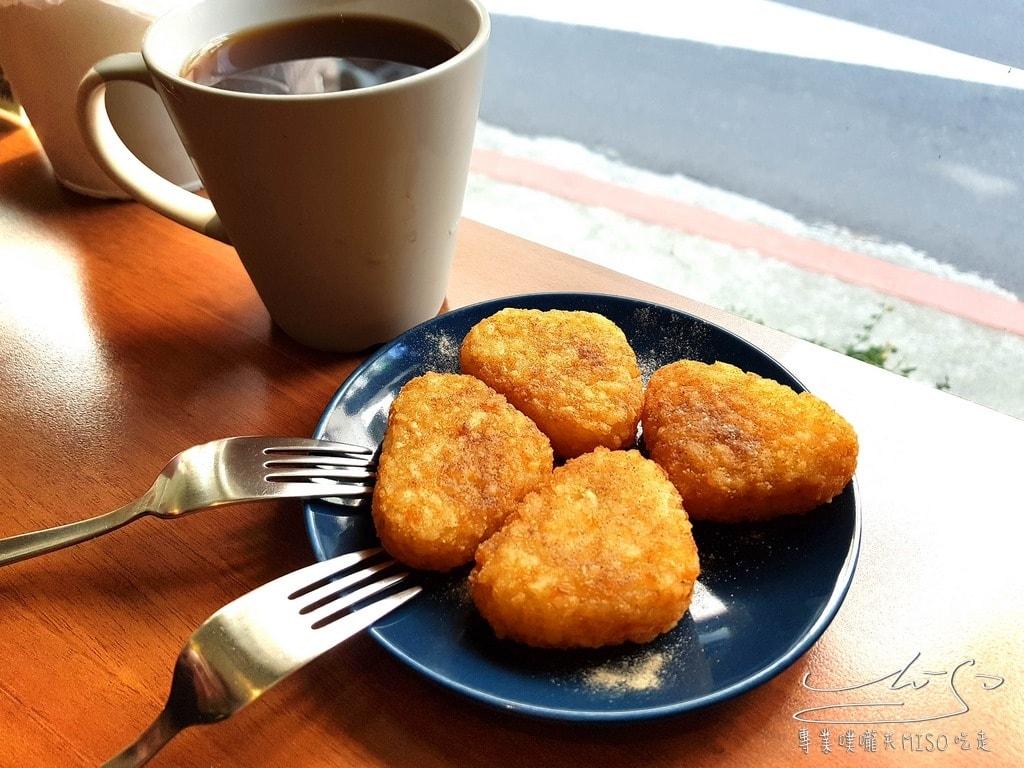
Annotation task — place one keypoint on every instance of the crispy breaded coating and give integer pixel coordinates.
(572, 372)
(455, 460)
(601, 554)
(740, 447)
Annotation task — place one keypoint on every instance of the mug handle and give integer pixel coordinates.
(121, 164)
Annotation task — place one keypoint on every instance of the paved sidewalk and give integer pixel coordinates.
(820, 283)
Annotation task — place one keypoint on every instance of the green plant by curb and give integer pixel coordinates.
(861, 347)
(883, 355)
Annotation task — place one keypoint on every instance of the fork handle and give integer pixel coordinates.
(13, 549)
(144, 748)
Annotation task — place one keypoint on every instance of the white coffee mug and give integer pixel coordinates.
(343, 207)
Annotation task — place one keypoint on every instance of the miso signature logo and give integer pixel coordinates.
(909, 694)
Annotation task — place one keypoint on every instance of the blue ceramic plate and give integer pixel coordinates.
(765, 594)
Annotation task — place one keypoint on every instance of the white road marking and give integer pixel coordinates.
(769, 27)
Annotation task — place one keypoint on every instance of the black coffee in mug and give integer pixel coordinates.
(318, 55)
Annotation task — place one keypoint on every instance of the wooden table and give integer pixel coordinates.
(125, 338)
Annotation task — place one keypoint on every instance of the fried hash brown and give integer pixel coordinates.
(600, 555)
(741, 447)
(573, 373)
(455, 460)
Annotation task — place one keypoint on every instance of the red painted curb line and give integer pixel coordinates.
(921, 288)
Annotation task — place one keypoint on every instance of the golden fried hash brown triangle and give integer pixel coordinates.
(455, 460)
(572, 372)
(601, 554)
(740, 447)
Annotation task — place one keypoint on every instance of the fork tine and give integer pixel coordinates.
(319, 448)
(327, 595)
(341, 603)
(328, 489)
(320, 460)
(361, 618)
(300, 581)
(323, 588)
(331, 604)
(312, 473)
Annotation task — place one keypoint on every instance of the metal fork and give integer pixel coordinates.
(259, 639)
(228, 471)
